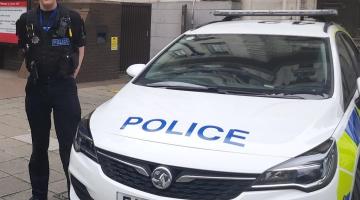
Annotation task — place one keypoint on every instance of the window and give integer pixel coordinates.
(263, 64)
(353, 51)
(347, 71)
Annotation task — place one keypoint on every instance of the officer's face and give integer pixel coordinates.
(47, 4)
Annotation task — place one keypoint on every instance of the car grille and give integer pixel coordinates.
(197, 189)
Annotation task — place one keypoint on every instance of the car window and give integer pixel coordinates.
(347, 70)
(353, 51)
(283, 65)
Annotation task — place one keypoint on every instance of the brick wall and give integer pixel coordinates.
(100, 63)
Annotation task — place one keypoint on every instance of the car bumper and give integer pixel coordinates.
(100, 187)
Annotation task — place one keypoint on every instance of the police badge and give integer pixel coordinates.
(35, 39)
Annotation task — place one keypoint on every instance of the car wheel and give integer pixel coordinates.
(356, 190)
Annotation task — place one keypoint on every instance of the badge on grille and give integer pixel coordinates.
(161, 178)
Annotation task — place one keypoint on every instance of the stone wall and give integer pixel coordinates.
(168, 18)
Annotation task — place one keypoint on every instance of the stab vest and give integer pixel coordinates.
(52, 51)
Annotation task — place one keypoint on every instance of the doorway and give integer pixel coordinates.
(135, 34)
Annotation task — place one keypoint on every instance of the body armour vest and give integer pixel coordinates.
(50, 49)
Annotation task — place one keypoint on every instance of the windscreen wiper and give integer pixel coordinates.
(218, 90)
(260, 94)
(185, 86)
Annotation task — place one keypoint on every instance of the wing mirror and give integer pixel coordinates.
(135, 69)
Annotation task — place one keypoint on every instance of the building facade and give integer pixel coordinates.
(125, 32)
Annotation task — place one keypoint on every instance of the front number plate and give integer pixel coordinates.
(121, 196)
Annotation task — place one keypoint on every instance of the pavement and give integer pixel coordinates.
(15, 138)
(11, 85)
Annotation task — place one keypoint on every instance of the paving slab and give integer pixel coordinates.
(54, 176)
(3, 174)
(8, 143)
(56, 152)
(55, 162)
(11, 185)
(62, 196)
(15, 166)
(25, 195)
(9, 79)
(20, 151)
(53, 145)
(58, 187)
(21, 114)
(14, 121)
(9, 131)
(4, 156)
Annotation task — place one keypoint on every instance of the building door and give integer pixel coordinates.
(135, 34)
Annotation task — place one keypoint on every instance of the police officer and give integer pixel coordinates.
(52, 38)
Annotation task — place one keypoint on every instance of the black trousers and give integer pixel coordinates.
(42, 98)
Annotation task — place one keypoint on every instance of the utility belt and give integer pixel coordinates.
(48, 79)
(64, 68)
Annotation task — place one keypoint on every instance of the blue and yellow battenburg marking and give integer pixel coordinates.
(347, 148)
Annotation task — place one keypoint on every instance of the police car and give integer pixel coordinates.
(235, 109)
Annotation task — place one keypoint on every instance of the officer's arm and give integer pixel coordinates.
(78, 26)
(21, 31)
(81, 57)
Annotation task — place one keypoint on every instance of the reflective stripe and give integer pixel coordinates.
(347, 152)
(353, 127)
(344, 186)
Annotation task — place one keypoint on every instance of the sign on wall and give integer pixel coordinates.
(114, 44)
(10, 11)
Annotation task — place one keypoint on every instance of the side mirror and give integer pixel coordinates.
(135, 69)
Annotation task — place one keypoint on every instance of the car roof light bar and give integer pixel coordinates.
(303, 13)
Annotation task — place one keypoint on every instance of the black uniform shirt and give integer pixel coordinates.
(77, 27)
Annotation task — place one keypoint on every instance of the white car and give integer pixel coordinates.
(241, 109)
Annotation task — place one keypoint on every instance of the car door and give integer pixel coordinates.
(348, 148)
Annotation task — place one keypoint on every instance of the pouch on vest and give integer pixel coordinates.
(67, 64)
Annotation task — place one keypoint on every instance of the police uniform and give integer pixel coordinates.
(50, 40)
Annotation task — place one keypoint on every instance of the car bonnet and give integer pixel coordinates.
(217, 122)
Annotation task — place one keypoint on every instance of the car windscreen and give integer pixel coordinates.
(259, 65)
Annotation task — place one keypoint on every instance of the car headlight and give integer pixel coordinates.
(83, 141)
(308, 172)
